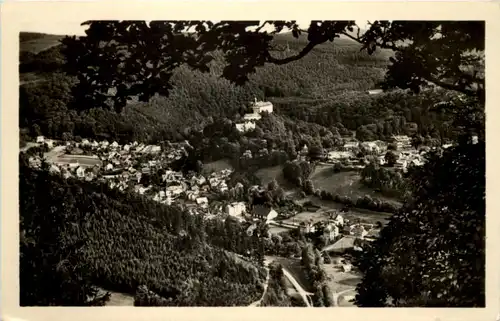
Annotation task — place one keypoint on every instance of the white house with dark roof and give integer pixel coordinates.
(236, 209)
(263, 212)
(202, 201)
(80, 172)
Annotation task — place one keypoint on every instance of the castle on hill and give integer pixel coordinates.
(257, 107)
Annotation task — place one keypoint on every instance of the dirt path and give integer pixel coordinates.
(338, 295)
(266, 284)
(303, 293)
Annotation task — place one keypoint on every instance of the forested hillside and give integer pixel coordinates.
(122, 242)
(329, 70)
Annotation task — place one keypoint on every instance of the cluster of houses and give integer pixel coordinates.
(114, 147)
(258, 212)
(338, 229)
(118, 164)
(122, 167)
(249, 119)
(348, 153)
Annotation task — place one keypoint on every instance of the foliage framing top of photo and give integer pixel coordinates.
(119, 60)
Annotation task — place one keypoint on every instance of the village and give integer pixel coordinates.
(134, 167)
(347, 155)
(124, 167)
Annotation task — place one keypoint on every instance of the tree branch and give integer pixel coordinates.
(445, 85)
(261, 26)
(383, 45)
(286, 60)
(353, 38)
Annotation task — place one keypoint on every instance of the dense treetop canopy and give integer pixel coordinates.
(119, 60)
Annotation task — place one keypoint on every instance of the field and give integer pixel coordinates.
(342, 284)
(118, 298)
(217, 166)
(267, 174)
(278, 229)
(39, 42)
(308, 216)
(295, 268)
(85, 161)
(364, 215)
(343, 183)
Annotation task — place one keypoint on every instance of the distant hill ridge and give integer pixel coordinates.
(37, 42)
(330, 70)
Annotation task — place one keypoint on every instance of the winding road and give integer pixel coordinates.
(266, 284)
(303, 293)
(338, 295)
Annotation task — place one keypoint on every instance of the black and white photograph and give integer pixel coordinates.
(252, 163)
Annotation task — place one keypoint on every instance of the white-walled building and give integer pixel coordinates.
(349, 146)
(262, 106)
(359, 231)
(375, 91)
(236, 209)
(331, 231)
(50, 143)
(339, 220)
(264, 213)
(372, 147)
(202, 201)
(251, 117)
(338, 155)
(246, 126)
(80, 172)
(174, 190)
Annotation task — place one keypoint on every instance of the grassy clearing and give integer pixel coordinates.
(217, 166)
(342, 283)
(118, 298)
(296, 270)
(365, 216)
(278, 229)
(344, 183)
(306, 216)
(40, 44)
(267, 174)
(82, 160)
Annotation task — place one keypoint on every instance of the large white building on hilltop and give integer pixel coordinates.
(262, 106)
(249, 120)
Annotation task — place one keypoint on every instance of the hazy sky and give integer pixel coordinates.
(75, 28)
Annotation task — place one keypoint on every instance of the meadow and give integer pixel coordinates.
(346, 183)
